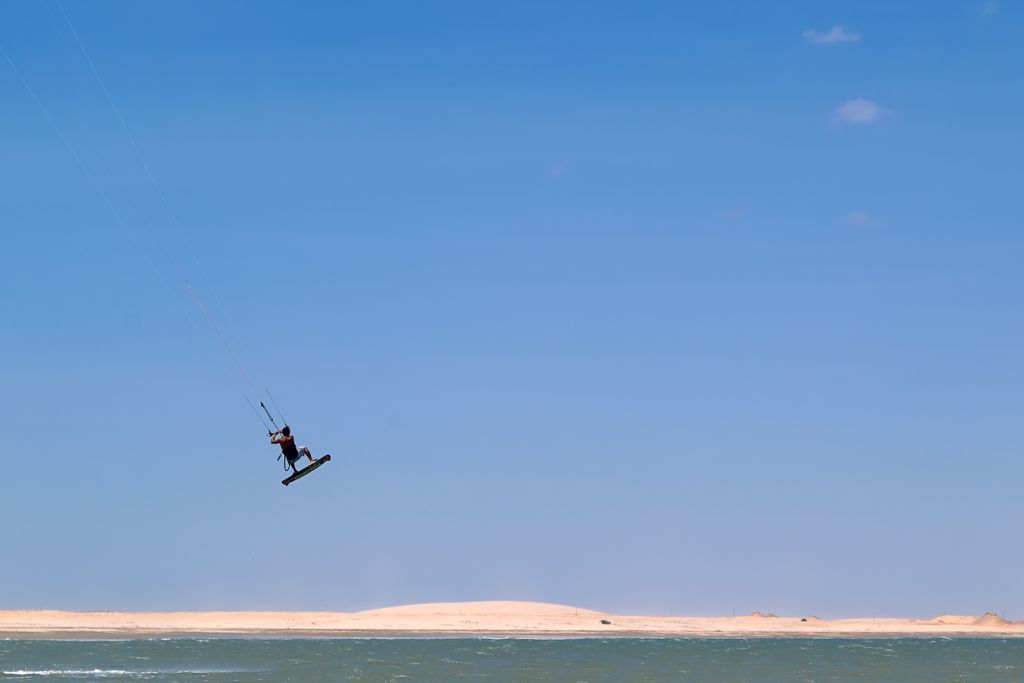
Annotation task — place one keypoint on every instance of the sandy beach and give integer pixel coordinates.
(495, 618)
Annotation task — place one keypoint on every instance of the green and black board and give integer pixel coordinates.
(306, 470)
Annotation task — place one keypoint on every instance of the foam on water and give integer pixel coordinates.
(108, 673)
(680, 660)
(98, 673)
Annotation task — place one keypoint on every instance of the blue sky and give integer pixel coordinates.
(655, 307)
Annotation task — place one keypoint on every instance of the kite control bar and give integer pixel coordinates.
(260, 417)
(270, 416)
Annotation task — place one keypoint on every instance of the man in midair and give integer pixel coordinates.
(283, 437)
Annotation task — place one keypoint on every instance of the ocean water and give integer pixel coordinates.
(968, 660)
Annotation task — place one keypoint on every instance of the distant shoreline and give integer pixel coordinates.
(445, 635)
(496, 619)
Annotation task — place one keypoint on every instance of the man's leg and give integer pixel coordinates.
(308, 454)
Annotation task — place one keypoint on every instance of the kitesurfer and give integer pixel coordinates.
(283, 437)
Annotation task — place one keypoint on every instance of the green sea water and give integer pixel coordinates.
(764, 660)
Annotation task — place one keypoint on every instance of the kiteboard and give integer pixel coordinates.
(306, 470)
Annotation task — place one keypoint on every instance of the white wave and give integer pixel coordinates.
(105, 673)
(102, 673)
(99, 673)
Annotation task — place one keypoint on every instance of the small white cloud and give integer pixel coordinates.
(834, 36)
(734, 215)
(989, 7)
(861, 219)
(558, 168)
(857, 111)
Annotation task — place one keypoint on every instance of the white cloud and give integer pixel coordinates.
(734, 215)
(857, 111)
(834, 36)
(558, 168)
(861, 219)
(989, 7)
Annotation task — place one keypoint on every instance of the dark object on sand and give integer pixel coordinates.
(804, 619)
(606, 622)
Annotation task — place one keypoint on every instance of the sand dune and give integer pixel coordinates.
(953, 619)
(483, 608)
(479, 618)
(991, 619)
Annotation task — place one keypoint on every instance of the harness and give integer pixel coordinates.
(290, 453)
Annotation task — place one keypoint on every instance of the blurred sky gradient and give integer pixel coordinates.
(665, 307)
